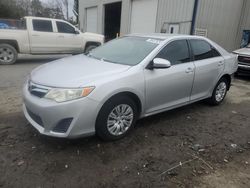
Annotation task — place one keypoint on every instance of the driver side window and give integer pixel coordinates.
(176, 52)
(64, 28)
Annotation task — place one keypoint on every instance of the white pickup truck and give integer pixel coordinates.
(37, 35)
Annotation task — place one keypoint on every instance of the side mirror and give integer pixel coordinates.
(159, 63)
(77, 32)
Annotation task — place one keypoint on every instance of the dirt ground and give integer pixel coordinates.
(211, 145)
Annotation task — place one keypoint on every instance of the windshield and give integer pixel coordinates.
(125, 50)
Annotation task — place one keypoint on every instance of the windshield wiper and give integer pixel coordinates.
(90, 55)
(103, 59)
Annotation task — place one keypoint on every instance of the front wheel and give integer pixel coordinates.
(116, 118)
(89, 48)
(220, 92)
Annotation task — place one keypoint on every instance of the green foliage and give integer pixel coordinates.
(15, 9)
(10, 9)
(36, 8)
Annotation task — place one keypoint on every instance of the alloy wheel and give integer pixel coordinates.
(220, 91)
(120, 119)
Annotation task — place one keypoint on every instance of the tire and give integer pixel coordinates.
(113, 127)
(220, 92)
(89, 48)
(75, 54)
(8, 54)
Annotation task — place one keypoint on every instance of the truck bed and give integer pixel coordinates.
(18, 36)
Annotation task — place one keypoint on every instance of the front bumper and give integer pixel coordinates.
(242, 68)
(46, 115)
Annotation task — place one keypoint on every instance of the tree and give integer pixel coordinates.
(15, 9)
(7, 7)
(55, 9)
(76, 10)
(25, 5)
(53, 12)
(36, 8)
(66, 5)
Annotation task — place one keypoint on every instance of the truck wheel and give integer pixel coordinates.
(220, 92)
(8, 54)
(116, 118)
(89, 48)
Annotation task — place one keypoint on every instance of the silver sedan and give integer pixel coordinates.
(106, 91)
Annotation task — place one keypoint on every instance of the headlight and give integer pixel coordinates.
(62, 95)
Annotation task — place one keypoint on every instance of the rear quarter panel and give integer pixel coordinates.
(20, 36)
(231, 64)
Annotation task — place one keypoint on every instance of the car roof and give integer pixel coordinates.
(43, 18)
(165, 36)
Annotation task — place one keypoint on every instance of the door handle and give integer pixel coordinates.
(61, 36)
(221, 63)
(35, 35)
(189, 70)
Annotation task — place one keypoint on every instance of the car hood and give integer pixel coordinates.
(243, 51)
(75, 71)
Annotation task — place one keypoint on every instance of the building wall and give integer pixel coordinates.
(224, 20)
(175, 12)
(221, 18)
(244, 22)
(125, 14)
(169, 11)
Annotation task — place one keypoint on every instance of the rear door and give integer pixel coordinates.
(68, 40)
(209, 66)
(166, 88)
(42, 37)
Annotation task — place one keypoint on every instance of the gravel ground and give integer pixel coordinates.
(210, 145)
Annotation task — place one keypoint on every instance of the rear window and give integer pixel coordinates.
(42, 25)
(203, 50)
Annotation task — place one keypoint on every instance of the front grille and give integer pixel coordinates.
(244, 59)
(35, 117)
(37, 90)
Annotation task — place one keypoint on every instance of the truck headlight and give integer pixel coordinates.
(62, 95)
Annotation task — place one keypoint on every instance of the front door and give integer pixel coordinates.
(166, 88)
(68, 40)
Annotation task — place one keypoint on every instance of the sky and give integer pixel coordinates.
(71, 5)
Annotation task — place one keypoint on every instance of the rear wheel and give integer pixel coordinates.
(220, 92)
(116, 118)
(8, 54)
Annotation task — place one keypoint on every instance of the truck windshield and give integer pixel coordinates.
(125, 50)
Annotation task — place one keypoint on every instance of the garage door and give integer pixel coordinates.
(91, 23)
(143, 16)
